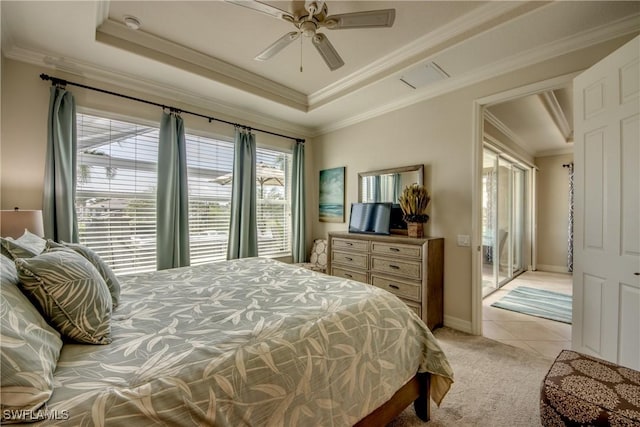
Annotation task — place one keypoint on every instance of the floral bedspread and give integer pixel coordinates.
(245, 342)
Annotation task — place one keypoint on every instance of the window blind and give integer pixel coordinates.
(209, 164)
(116, 193)
(273, 195)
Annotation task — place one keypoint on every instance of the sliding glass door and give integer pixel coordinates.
(503, 215)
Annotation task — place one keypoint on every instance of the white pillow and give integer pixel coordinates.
(25, 246)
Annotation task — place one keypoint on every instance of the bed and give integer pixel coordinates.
(248, 342)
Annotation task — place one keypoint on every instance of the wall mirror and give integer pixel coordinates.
(386, 185)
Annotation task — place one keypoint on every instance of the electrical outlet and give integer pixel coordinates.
(464, 240)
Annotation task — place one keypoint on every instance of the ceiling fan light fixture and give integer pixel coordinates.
(316, 16)
(308, 28)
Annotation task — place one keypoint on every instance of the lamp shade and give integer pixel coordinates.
(14, 222)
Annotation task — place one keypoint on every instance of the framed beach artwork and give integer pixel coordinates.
(331, 200)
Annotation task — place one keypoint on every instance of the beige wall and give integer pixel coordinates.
(552, 211)
(439, 133)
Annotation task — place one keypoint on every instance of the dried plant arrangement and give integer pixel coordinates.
(414, 201)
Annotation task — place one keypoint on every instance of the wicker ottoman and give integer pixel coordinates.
(582, 390)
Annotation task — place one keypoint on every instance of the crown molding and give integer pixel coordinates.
(141, 43)
(553, 107)
(420, 49)
(149, 87)
(622, 27)
(506, 130)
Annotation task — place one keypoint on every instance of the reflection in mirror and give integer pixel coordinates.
(386, 185)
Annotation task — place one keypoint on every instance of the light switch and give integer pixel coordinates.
(464, 240)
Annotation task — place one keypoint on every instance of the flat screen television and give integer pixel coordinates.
(370, 218)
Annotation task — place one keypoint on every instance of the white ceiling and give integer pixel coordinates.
(541, 124)
(202, 52)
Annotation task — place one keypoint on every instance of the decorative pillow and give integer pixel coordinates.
(105, 271)
(29, 349)
(318, 255)
(26, 246)
(70, 292)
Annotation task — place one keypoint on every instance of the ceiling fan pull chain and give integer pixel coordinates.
(300, 54)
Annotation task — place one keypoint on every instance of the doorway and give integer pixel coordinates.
(503, 219)
(514, 256)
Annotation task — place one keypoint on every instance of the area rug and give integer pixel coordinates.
(537, 302)
(495, 385)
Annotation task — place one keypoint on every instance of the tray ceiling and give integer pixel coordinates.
(202, 52)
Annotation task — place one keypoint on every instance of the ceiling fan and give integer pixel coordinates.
(314, 17)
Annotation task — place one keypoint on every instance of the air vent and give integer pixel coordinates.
(423, 75)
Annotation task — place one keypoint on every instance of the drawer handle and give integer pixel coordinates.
(348, 258)
(348, 275)
(636, 274)
(348, 243)
(395, 267)
(394, 286)
(394, 249)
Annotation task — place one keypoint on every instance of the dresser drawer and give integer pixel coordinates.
(352, 259)
(399, 288)
(360, 276)
(349, 244)
(409, 251)
(405, 268)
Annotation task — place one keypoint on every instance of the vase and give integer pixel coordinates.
(415, 229)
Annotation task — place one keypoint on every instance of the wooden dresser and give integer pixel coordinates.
(410, 268)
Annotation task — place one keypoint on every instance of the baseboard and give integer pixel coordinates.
(552, 268)
(458, 324)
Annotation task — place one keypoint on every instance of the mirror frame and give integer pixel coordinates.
(413, 168)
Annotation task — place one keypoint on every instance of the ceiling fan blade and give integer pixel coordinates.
(366, 19)
(327, 51)
(264, 8)
(277, 46)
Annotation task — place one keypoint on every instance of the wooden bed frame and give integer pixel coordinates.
(416, 391)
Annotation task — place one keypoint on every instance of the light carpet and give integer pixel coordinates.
(537, 302)
(495, 385)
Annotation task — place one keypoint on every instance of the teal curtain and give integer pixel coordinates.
(58, 205)
(298, 236)
(243, 228)
(172, 201)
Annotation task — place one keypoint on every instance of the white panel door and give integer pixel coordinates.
(606, 278)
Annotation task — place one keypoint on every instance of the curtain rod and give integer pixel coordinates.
(62, 82)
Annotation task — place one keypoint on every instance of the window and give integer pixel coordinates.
(273, 194)
(116, 192)
(209, 163)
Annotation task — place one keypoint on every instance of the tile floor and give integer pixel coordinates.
(542, 336)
